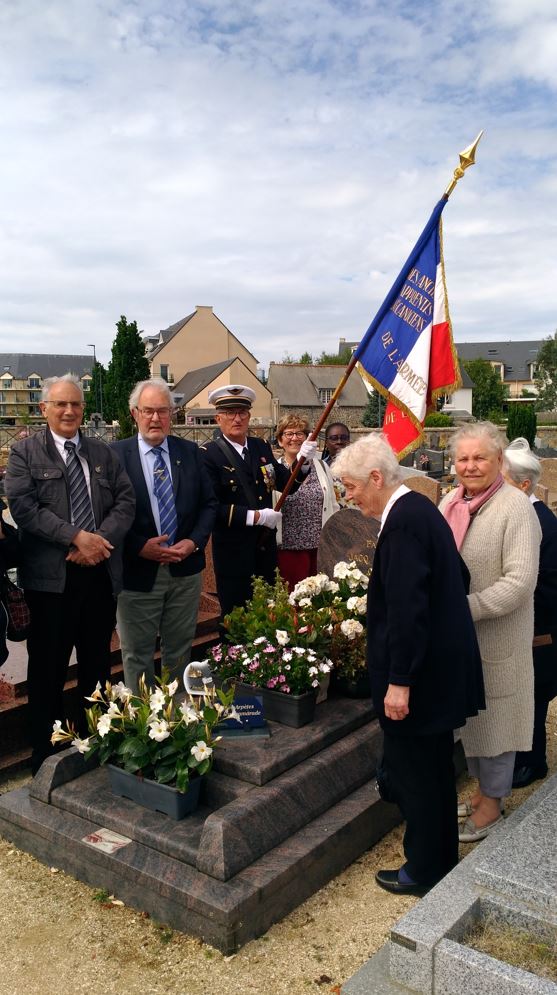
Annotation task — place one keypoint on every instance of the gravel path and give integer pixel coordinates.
(59, 937)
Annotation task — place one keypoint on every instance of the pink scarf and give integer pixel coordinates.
(458, 512)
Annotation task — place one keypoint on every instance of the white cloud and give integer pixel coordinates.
(275, 161)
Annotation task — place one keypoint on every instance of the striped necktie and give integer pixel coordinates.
(82, 510)
(165, 496)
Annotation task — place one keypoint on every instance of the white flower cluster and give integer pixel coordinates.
(310, 587)
(351, 574)
(351, 628)
(358, 605)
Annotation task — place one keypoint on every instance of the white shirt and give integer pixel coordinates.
(59, 442)
(148, 457)
(400, 492)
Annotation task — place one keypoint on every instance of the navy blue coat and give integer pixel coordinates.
(420, 630)
(195, 508)
(545, 600)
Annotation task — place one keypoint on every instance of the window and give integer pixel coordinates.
(325, 394)
(164, 371)
(86, 386)
(33, 381)
(34, 395)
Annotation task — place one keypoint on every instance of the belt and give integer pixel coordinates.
(545, 640)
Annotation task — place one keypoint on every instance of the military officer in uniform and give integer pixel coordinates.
(244, 474)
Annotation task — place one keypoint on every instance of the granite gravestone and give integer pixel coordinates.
(348, 536)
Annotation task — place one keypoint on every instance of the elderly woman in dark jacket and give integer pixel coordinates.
(522, 469)
(8, 558)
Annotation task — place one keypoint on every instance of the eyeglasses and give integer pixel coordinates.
(151, 412)
(294, 435)
(60, 405)
(235, 412)
(338, 438)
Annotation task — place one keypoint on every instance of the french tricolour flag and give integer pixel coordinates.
(407, 352)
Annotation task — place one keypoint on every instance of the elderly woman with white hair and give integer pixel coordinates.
(522, 469)
(498, 535)
(423, 658)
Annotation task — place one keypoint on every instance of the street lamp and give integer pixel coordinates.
(98, 382)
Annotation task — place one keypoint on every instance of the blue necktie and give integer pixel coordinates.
(82, 510)
(165, 496)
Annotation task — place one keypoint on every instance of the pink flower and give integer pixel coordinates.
(271, 682)
(281, 679)
(269, 649)
(254, 665)
(285, 688)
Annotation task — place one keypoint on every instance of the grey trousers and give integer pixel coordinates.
(169, 609)
(495, 774)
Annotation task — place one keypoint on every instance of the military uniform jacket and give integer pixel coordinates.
(240, 485)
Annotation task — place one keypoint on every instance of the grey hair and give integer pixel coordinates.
(477, 430)
(521, 464)
(372, 452)
(157, 382)
(66, 378)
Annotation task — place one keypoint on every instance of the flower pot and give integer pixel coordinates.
(154, 796)
(351, 687)
(293, 710)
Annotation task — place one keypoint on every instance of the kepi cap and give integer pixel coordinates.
(233, 396)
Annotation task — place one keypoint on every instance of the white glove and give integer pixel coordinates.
(269, 517)
(308, 450)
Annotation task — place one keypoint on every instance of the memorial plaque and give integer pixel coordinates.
(424, 485)
(252, 719)
(348, 536)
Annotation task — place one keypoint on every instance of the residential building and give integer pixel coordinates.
(306, 389)
(22, 375)
(514, 361)
(193, 343)
(192, 392)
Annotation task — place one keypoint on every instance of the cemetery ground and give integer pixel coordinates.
(61, 935)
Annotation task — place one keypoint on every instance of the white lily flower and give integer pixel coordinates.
(159, 730)
(281, 637)
(157, 700)
(114, 711)
(97, 693)
(188, 713)
(104, 725)
(201, 751)
(81, 744)
(122, 692)
(58, 735)
(172, 688)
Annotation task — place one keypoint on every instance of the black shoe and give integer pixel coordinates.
(389, 881)
(523, 776)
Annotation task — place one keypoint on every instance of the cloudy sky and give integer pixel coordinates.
(275, 160)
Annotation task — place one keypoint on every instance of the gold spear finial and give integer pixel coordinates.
(467, 158)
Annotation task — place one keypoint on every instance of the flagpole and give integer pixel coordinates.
(466, 158)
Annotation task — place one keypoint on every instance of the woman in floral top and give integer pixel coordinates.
(305, 512)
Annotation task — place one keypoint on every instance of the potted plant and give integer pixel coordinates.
(157, 748)
(336, 610)
(273, 650)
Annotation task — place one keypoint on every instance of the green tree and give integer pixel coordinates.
(546, 375)
(375, 411)
(489, 392)
(334, 358)
(95, 398)
(127, 365)
(306, 359)
(522, 423)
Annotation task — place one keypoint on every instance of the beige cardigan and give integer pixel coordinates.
(501, 551)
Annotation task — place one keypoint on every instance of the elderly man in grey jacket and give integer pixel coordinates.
(73, 504)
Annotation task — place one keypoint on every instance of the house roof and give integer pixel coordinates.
(23, 364)
(166, 334)
(298, 384)
(515, 356)
(196, 380)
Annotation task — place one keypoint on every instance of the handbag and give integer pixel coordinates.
(17, 610)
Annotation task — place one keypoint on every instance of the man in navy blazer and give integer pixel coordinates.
(164, 549)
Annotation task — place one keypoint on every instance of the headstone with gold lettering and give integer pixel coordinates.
(347, 535)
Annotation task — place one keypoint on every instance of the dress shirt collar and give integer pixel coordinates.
(146, 447)
(60, 440)
(400, 492)
(236, 445)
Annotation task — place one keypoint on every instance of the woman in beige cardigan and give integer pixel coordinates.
(498, 535)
